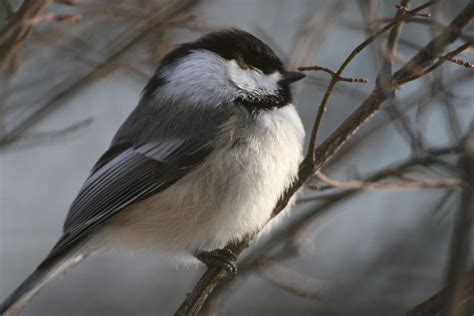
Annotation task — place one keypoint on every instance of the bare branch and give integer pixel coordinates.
(333, 74)
(293, 281)
(405, 10)
(405, 185)
(15, 33)
(53, 17)
(461, 62)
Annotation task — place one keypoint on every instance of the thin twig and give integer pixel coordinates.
(157, 21)
(439, 62)
(293, 281)
(461, 62)
(405, 10)
(333, 74)
(405, 185)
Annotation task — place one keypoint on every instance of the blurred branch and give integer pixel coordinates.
(355, 52)
(439, 62)
(392, 41)
(53, 17)
(314, 160)
(292, 281)
(461, 236)
(461, 62)
(42, 137)
(120, 45)
(358, 185)
(460, 286)
(386, 57)
(333, 74)
(17, 30)
(8, 8)
(314, 32)
(438, 302)
(404, 10)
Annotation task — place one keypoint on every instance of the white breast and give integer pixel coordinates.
(230, 195)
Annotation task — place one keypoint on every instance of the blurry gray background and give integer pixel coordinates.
(378, 253)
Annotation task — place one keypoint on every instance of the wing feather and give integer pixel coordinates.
(132, 176)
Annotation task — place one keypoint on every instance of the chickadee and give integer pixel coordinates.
(200, 162)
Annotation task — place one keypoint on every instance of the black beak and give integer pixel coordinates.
(292, 76)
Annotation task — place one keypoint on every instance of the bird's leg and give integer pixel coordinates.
(223, 258)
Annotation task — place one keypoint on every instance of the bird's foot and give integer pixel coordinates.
(222, 258)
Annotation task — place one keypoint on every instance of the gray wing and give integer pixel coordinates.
(142, 161)
(131, 176)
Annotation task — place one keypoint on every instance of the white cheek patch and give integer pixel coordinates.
(253, 81)
(200, 78)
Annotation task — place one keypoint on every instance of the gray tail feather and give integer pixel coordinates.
(46, 271)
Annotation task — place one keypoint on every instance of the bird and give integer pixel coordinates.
(201, 161)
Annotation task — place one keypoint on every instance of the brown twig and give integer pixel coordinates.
(461, 62)
(431, 157)
(433, 66)
(392, 42)
(355, 52)
(333, 74)
(404, 185)
(313, 33)
(15, 33)
(48, 136)
(405, 10)
(53, 17)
